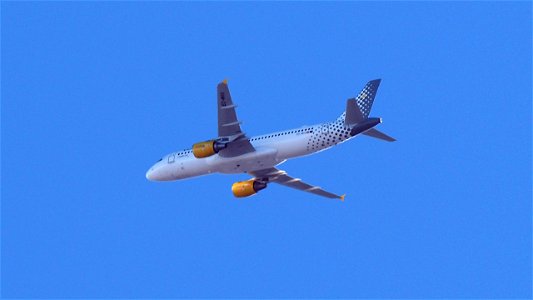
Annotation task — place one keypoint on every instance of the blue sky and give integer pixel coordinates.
(94, 93)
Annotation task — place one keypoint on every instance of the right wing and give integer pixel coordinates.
(229, 127)
(281, 177)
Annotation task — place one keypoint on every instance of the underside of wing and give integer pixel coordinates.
(228, 124)
(281, 177)
(229, 127)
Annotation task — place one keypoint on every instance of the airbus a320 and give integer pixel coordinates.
(234, 152)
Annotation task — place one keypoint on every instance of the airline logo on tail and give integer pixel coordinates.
(366, 97)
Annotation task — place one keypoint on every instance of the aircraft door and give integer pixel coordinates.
(172, 158)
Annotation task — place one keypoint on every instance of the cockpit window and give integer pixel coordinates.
(160, 159)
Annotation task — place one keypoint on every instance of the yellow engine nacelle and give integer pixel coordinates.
(206, 149)
(247, 188)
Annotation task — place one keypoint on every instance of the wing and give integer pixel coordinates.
(229, 127)
(281, 177)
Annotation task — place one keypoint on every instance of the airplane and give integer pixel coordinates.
(234, 152)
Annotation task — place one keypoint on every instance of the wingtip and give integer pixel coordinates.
(342, 197)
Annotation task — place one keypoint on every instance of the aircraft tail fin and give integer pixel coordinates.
(365, 99)
(358, 109)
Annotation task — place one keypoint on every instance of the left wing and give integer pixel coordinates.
(281, 177)
(229, 127)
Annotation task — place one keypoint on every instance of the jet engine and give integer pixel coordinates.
(247, 188)
(206, 149)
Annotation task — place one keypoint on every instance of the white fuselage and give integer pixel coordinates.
(270, 150)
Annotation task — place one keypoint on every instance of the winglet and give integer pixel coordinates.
(342, 197)
(225, 81)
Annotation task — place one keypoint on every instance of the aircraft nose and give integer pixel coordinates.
(158, 173)
(150, 174)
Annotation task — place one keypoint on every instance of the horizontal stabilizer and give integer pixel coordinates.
(352, 114)
(372, 132)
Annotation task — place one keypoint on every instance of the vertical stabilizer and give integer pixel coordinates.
(365, 99)
(358, 109)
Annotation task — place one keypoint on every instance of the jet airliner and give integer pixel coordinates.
(234, 152)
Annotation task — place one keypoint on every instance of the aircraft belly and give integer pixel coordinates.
(187, 167)
(260, 159)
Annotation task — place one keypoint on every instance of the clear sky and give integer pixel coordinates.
(93, 93)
